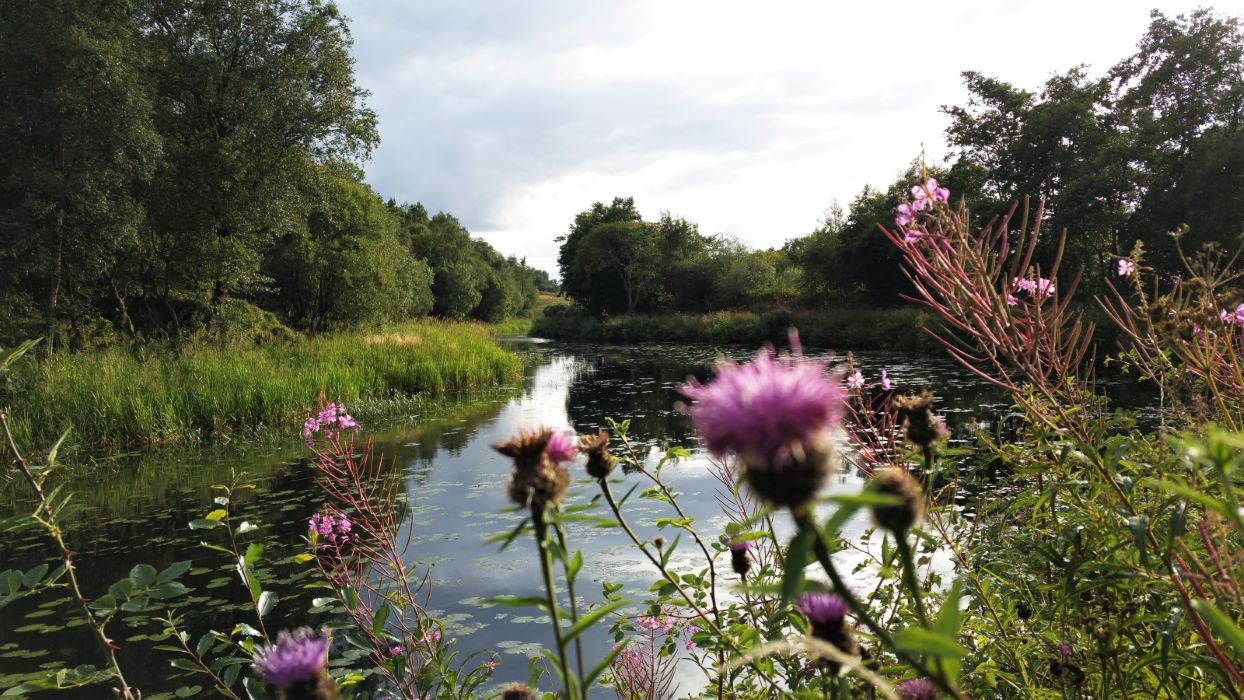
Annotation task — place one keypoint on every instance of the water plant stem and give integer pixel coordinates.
(48, 520)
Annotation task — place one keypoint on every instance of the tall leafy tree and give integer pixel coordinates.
(249, 96)
(77, 145)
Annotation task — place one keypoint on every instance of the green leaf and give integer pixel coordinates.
(949, 621)
(164, 591)
(382, 616)
(205, 643)
(32, 578)
(797, 557)
(217, 515)
(203, 525)
(917, 640)
(172, 571)
(253, 552)
(1221, 624)
(574, 565)
(185, 665)
(590, 619)
(267, 601)
(143, 575)
(599, 668)
(866, 499)
(514, 601)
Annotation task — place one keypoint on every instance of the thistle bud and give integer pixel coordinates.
(922, 426)
(658, 542)
(517, 691)
(599, 462)
(900, 517)
(739, 561)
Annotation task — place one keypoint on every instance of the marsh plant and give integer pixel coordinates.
(1070, 554)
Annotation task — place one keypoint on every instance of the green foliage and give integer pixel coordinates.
(855, 329)
(150, 396)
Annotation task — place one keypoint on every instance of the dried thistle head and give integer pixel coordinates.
(900, 517)
(517, 691)
(526, 448)
(915, 413)
(537, 481)
(599, 462)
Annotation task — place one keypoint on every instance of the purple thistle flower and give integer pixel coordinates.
(821, 608)
(917, 689)
(561, 447)
(295, 658)
(767, 410)
(1065, 650)
(740, 546)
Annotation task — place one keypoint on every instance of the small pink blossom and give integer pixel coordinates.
(1011, 300)
(856, 380)
(1126, 267)
(912, 236)
(906, 214)
(930, 190)
(885, 381)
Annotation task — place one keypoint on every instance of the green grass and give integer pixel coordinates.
(119, 397)
(846, 329)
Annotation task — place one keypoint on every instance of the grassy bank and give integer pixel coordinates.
(148, 396)
(848, 329)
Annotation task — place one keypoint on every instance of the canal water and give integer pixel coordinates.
(135, 510)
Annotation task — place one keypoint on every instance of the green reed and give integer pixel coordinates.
(151, 396)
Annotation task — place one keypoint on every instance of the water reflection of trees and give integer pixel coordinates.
(638, 386)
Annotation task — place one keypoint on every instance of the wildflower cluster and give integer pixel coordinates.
(330, 528)
(1038, 288)
(924, 197)
(332, 417)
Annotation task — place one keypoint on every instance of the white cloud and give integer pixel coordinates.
(747, 118)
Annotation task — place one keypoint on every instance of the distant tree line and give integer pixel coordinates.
(1153, 146)
(170, 166)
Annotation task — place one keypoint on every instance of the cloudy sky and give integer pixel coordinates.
(748, 118)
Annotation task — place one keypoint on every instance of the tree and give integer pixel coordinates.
(77, 144)
(249, 96)
(346, 266)
(576, 263)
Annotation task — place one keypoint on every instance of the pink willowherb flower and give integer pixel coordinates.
(295, 658)
(886, 384)
(331, 417)
(914, 235)
(930, 191)
(561, 447)
(774, 413)
(907, 212)
(1126, 267)
(855, 380)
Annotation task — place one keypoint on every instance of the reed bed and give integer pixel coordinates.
(151, 396)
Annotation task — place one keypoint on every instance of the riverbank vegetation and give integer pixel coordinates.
(171, 167)
(151, 395)
(855, 329)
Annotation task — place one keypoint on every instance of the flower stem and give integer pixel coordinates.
(49, 521)
(803, 519)
(546, 568)
(574, 605)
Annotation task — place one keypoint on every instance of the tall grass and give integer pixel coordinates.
(848, 329)
(120, 397)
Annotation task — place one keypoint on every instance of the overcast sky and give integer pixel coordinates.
(748, 118)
